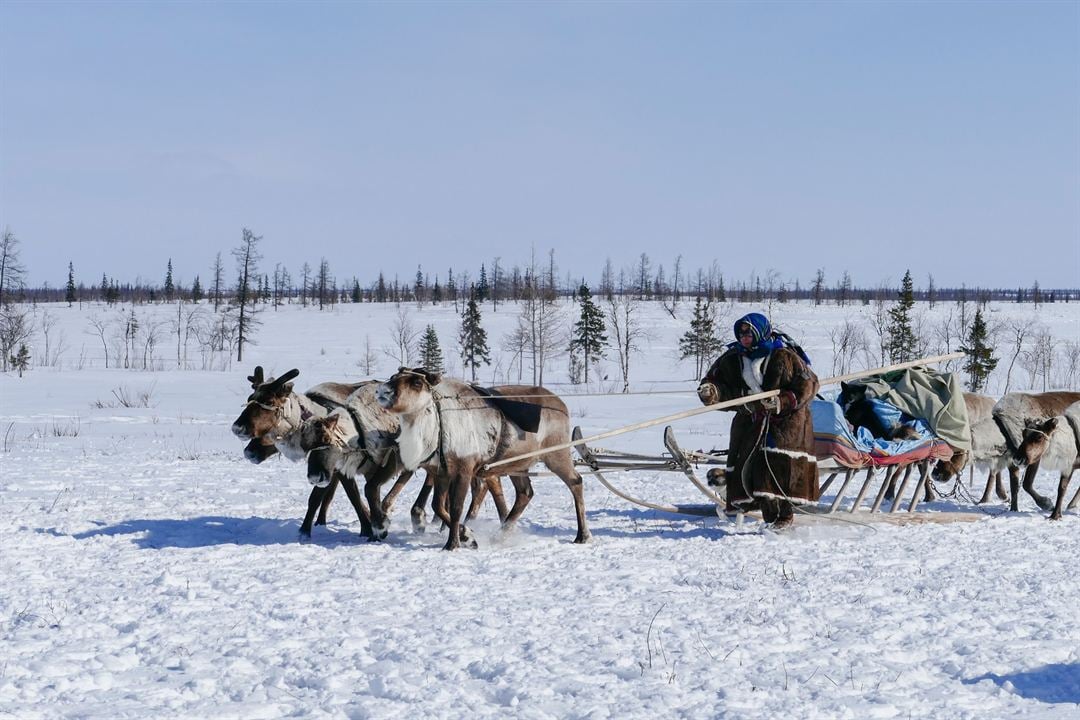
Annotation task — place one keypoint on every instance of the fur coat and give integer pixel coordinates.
(771, 455)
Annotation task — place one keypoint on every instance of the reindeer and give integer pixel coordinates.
(333, 444)
(988, 448)
(1012, 413)
(1054, 444)
(274, 413)
(454, 431)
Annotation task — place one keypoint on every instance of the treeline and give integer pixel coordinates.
(494, 283)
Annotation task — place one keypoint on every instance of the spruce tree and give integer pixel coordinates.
(431, 356)
(21, 360)
(482, 286)
(169, 287)
(473, 338)
(902, 340)
(700, 341)
(196, 290)
(357, 296)
(980, 360)
(589, 337)
(69, 294)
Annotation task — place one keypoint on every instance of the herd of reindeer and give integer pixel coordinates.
(383, 431)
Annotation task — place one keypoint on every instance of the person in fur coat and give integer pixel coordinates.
(771, 463)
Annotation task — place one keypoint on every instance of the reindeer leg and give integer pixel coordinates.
(523, 493)
(1014, 487)
(1029, 485)
(314, 500)
(928, 491)
(374, 480)
(999, 486)
(353, 492)
(399, 485)
(494, 484)
(417, 512)
(440, 503)
(479, 492)
(990, 486)
(1063, 486)
(1075, 502)
(562, 465)
(458, 490)
(327, 497)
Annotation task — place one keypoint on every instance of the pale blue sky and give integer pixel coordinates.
(871, 137)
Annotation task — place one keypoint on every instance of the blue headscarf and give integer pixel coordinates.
(765, 338)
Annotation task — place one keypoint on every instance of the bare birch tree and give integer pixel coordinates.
(626, 332)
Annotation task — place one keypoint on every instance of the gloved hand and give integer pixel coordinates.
(770, 405)
(708, 394)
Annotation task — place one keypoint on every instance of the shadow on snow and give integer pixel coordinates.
(1059, 683)
(213, 530)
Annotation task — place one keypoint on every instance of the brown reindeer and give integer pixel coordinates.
(1054, 444)
(453, 430)
(275, 412)
(1012, 414)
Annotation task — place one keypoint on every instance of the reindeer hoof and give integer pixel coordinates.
(468, 540)
(304, 537)
(1044, 503)
(581, 539)
(1054, 516)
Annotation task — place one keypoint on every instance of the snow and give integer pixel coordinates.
(149, 570)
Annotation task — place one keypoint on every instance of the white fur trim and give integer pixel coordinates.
(792, 500)
(753, 372)
(793, 453)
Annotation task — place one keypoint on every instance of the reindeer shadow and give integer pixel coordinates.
(1058, 683)
(211, 530)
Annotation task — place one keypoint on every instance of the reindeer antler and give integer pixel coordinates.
(278, 383)
(257, 379)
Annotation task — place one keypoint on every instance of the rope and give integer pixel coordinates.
(722, 406)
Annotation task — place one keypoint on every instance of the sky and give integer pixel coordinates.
(943, 138)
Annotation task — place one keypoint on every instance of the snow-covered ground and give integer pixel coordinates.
(148, 570)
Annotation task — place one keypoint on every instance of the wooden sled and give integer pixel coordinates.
(598, 461)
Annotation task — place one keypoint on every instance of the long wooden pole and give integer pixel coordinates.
(721, 406)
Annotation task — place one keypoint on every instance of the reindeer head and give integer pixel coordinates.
(325, 440)
(408, 391)
(946, 470)
(1036, 439)
(264, 405)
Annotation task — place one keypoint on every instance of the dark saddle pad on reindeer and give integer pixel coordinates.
(525, 415)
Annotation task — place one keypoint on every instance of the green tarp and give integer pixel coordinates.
(924, 393)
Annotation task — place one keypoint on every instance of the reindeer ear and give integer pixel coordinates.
(331, 421)
(1050, 425)
(432, 378)
(257, 378)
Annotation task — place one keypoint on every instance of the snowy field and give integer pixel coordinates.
(148, 570)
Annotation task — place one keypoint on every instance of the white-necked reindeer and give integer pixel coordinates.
(274, 414)
(453, 431)
(1054, 444)
(989, 448)
(1012, 414)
